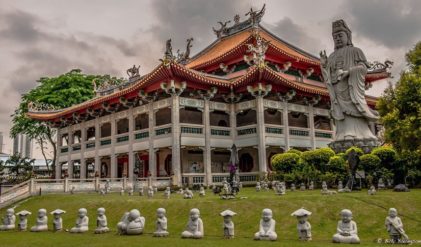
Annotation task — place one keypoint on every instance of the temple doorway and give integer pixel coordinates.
(123, 166)
(246, 162)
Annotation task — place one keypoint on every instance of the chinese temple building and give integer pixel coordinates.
(249, 88)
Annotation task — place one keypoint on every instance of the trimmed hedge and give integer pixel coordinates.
(285, 162)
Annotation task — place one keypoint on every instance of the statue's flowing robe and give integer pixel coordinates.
(349, 108)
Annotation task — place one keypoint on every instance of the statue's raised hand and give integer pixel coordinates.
(323, 58)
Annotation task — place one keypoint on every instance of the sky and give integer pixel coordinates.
(51, 37)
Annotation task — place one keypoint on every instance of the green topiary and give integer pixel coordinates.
(285, 162)
(294, 151)
(358, 150)
(387, 156)
(337, 164)
(370, 163)
(318, 158)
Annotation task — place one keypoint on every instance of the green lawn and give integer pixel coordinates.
(369, 213)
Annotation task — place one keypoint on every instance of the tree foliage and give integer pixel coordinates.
(400, 106)
(62, 91)
(20, 166)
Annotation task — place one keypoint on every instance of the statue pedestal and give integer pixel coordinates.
(365, 144)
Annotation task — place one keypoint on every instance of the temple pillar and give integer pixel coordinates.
(97, 146)
(259, 92)
(151, 152)
(113, 163)
(311, 125)
(131, 141)
(57, 167)
(286, 124)
(69, 152)
(233, 122)
(207, 160)
(82, 150)
(261, 134)
(176, 138)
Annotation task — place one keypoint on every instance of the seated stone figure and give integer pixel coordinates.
(161, 223)
(101, 222)
(82, 222)
(8, 220)
(194, 228)
(372, 191)
(23, 220)
(150, 192)
(394, 226)
(41, 224)
(347, 229)
(132, 223)
(258, 187)
(57, 220)
(187, 194)
(267, 227)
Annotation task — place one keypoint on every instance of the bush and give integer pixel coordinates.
(337, 164)
(358, 150)
(294, 151)
(370, 163)
(387, 156)
(285, 162)
(318, 158)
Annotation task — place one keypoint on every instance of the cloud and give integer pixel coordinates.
(295, 35)
(391, 23)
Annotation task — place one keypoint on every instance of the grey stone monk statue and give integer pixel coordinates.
(344, 74)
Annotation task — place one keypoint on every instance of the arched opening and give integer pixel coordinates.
(273, 116)
(219, 118)
(246, 117)
(90, 134)
(141, 121)
(90, 168)
(191, 115)
(105, 167)
(76, 169)
(297, 119)
(168, 164)
(246, 163)
(163, 116)
(123, 166)
(122, 126)
(77, 136)
(105, 130)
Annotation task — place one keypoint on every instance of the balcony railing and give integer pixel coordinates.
(90, 144)
(123, 138)
(191, 130)
(324, 134)
(163, 131)
(299, 131)
(76, 147)
(64, 150)
(247, 130)
(274, 130)
(141, 135)
(105, 142)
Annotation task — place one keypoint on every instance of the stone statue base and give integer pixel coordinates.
(365, 144)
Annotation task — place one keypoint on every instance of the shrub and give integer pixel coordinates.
(370, 163)
(387, 156)
(358, 150)
(337, 164)
(285, 162)
(318, 158)
(294, 151)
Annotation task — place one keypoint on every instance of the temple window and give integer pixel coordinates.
(297, 119)
(106, 130)
(122, 126)
(273, 116)
(191, 115)
(65, 140)
(246, 117)
(246, 162)
(90, 134)
(163, 116)
(219, 118)
(322, 123)
(76, 169)
(77, 136)
(141, 121)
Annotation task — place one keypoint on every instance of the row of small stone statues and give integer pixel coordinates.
(133, 223)
(151, 191)
(280, 187)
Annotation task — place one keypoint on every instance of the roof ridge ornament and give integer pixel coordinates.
(183, 57)
(133, 73)
(168, 55)
(258, 51)
(253, 21)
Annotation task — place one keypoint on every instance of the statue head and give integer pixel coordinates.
(393, 212)
(82, 212)
(160, 212)
(302, 218)
(101, 211)
(194, 214)
(42, 213)
(10, 212)
(267, 214)
(341, 33)
(134, 214)
(346, 215)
